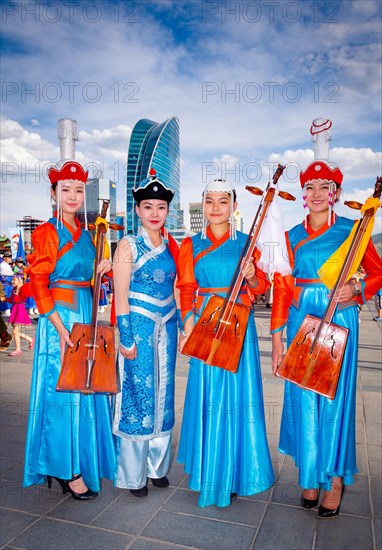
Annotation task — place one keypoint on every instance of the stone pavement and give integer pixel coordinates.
(39, 518)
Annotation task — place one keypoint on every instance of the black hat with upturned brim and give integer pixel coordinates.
(152, 188)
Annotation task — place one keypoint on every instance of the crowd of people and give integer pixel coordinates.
(160, 292)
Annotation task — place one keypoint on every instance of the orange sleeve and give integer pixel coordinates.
(372, 282)
(283, 287)
(25, 291)
(186, 279)
(41, 264)
(174, 249)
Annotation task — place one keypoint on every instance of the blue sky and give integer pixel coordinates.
(245, 79)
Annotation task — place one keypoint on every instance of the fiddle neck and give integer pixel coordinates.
(345, 271)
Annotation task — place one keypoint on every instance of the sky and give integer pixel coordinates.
(244, 78)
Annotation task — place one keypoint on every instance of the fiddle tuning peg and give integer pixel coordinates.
(254, 190)
(355, 205)
(287, 196)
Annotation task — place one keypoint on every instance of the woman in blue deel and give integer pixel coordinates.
(223, 444)
(69, 434)
(318, 432)
(144, 270)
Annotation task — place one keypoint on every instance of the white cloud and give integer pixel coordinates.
(23, 149)
(156, 66)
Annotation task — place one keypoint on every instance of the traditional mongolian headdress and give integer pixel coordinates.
(220, 186)
(321, 169)
(152, 188)
(66, 169)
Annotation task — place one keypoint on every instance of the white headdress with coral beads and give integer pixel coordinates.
(321, 169)
(220, 186)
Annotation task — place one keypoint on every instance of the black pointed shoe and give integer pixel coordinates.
(307, 503)
(60, 481)
(139, 493)
(89, 494)
(327, 513)
(160, 482)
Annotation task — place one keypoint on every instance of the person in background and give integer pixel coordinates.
(378, 306)
(6, 274)
(5, 337)
(19, 267)
(19, 316)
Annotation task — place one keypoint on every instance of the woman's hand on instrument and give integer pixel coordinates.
(182, 340)
(249, 272)
(104, 266)
(129, 354)
(277, 351)
(64, 341)
(347, 292)
(63, 332)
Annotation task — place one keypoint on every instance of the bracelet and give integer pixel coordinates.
(256, 282)
(126, 337)
(179, 320)
(357, 291)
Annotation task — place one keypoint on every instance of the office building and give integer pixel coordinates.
(154, 145)
(97, 190)
(238, 220)
(196, 216)
(28, 225)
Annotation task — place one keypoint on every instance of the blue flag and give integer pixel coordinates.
(20, 248)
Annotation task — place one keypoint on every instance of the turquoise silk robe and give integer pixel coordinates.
(223, 443)
(68, 433)
(319, 433)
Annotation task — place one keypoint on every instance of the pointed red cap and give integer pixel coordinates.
(70, 170)
(320, 170)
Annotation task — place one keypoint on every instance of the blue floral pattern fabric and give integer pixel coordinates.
(145, 406)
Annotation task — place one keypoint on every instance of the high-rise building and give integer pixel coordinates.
(28, 225)
(154, 145)
(97, 190)
(238, 220)
(120, 219)
(196, 216)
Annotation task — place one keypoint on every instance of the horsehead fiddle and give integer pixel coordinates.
(313, 360)
(218, 336)
(90, 366)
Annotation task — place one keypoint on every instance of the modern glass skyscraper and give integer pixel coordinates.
(98, 189)
(154, 145)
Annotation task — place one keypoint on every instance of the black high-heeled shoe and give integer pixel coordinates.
(80, 496)
(327, 513)
(60, 481)
(307, 503)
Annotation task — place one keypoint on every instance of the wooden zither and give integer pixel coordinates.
(218, 336)
(313, 360)
(90, 366)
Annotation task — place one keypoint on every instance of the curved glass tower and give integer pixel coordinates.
(154, 145)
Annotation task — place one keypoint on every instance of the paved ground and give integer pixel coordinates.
(38, 518)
